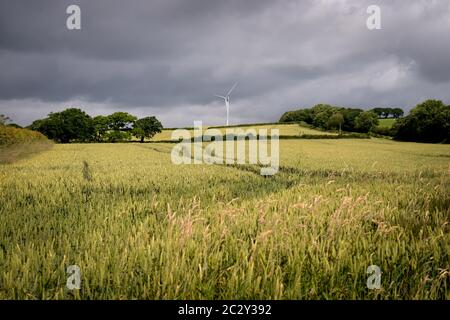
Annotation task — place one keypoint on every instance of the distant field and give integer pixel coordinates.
(140, 227)
(386, 123)
(285, 130)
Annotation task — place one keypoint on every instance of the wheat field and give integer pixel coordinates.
(140, 227)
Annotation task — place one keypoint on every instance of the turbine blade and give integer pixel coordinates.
(222, 97)
(234, 86)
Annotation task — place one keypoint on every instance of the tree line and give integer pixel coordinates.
(75, 125)
(388, 112)
(325, 116)
(429, 121)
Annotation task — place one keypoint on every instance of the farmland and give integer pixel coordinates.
(284, 129)
(140, 227)
(212, 158)
(386, 123)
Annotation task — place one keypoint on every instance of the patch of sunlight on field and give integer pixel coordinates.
(285, 130)
(140, 227)
(386, 123)
(166, 135)
(374, 155)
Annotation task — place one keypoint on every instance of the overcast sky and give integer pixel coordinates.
(169, 57)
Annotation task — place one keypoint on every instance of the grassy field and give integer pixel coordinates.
(140, 227)
(386, 123)
(285, 130)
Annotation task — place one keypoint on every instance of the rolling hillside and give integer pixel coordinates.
(285, 130)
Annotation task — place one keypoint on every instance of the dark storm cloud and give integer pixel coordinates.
(169, 57)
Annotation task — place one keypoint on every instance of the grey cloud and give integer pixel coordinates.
(169, 57)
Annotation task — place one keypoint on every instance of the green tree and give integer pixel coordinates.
(37, 124)
(321, 119)
(366, 121)
(385, 112)
(288, 116)
(146, 128)
(302, 115)
(321, 114)
(66, 126)
(378, 111)
(117, 135)
(397, 113)
(336, 121)
(427, 122)
(120, 125)
(121, 121)
(350, 115)
(101, 127)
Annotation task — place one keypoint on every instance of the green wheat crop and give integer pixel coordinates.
(141, 227)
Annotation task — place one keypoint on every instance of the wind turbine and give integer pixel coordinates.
(226, 98)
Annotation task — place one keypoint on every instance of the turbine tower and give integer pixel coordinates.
(226, 98)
